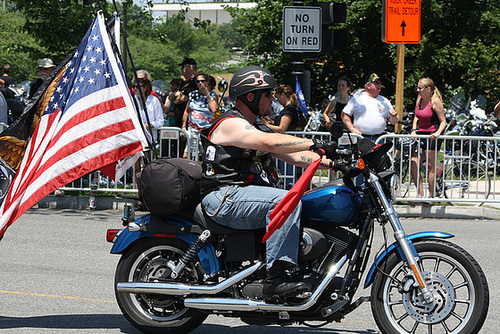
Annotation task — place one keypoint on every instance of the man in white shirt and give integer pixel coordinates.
(367, 113)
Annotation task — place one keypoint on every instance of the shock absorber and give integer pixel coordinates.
(190, 254)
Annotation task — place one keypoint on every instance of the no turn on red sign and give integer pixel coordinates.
(401, 21)
(302, 29)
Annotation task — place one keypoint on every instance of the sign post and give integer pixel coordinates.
(401, 24)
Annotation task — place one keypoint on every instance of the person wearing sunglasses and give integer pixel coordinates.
(151, 103)
(239, 175)
(199, 112)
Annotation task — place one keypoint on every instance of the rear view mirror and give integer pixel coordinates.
(336, 129)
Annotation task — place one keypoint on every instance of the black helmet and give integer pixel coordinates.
(249, 79)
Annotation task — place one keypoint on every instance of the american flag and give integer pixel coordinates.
(88, 121)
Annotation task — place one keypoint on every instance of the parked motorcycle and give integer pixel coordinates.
(176, 270)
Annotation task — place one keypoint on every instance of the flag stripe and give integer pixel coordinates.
(87, 167)
(56, 163)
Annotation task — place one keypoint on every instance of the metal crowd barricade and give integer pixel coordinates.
(171, 143)
(465, 168)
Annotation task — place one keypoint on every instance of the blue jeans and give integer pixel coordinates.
(248, 208)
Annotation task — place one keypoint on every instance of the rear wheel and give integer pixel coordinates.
(456, 281)
(152, 260)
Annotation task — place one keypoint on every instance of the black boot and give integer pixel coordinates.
(278, 286)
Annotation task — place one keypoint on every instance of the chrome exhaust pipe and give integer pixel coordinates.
(181, 289)
(228, 304)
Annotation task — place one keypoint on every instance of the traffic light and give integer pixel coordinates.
(333, 13)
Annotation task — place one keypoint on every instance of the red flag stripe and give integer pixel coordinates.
(72, 174)
(49, 171)
(86, 115)
(73, 131)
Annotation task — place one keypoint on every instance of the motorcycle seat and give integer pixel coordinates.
(201, 217)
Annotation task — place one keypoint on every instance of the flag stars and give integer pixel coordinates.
(97, 71)
(95, 38)
(102, 62)
(84, 58)
(91, 81)
(86, 68)
(98, 50)
(93, 60)
(89, 48)
(107, 75)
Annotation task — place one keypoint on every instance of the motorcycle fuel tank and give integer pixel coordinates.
(335, 204)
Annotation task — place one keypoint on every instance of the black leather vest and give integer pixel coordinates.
(230, 165)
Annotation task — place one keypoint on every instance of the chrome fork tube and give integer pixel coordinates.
(400, 236)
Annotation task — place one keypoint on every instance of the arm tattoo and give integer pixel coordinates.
(249, 127)
(306, 159)
(291, 144)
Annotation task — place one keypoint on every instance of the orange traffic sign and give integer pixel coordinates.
(401, 21)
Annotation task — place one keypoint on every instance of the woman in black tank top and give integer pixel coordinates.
(340, 100)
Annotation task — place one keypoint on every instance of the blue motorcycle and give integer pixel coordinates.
(175, 270)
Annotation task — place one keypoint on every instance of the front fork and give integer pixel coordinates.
(400, 236)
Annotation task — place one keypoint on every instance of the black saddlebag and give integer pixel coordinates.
(170, 185)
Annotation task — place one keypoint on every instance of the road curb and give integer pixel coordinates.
(448, 212)
(436, 211)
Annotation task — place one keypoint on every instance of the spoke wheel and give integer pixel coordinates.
(153, 261)
(457, 284)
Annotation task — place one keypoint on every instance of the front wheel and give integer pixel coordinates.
(457, 283)
(152, 260)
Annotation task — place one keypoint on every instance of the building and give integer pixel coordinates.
(202, 10)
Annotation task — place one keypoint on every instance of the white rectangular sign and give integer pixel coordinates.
(301, 29)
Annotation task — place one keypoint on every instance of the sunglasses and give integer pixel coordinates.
(198, 81)
(268, 93)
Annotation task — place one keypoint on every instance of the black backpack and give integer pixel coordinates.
(170, 185)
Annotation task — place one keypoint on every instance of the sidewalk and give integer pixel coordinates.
(487, 211)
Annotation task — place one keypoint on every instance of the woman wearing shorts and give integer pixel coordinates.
(429, 120)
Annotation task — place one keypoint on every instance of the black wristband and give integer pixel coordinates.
(330, 165)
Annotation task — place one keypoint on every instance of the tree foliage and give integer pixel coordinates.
(459, 48)
(58, 24)
(17, 48)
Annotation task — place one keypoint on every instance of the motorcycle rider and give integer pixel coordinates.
(239, 178)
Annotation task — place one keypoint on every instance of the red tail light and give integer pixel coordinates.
(111, 234)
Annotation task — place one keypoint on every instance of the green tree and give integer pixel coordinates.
(17, 48)
(58, 24)
(459, 48)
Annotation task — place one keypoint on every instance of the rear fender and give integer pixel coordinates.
(206, 254)
(395, 247)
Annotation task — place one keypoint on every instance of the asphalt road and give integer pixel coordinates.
(56, 276)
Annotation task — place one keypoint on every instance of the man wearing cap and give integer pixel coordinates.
(45, 67)
(369, 110)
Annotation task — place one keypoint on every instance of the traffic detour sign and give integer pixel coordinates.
(401, 21)
(301, 29)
